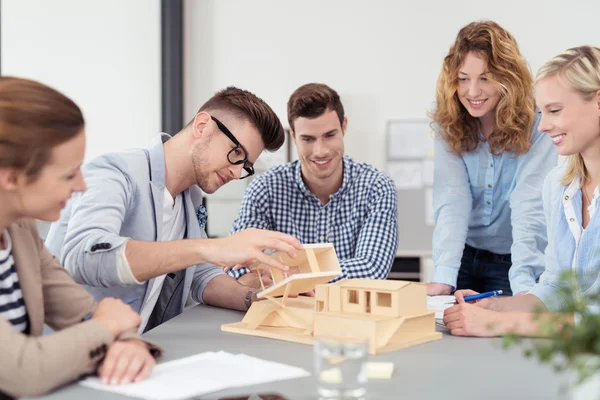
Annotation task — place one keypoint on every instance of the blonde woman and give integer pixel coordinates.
(42, 143)
(568, 97)
(490, 163)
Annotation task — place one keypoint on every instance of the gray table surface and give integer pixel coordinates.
(450, 368)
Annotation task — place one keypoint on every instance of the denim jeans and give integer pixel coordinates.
(484, 271)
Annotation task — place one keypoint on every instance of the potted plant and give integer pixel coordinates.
(573, 348)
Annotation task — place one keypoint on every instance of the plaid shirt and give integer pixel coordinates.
(361, 218)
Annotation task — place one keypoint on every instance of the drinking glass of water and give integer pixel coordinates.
(340, 367)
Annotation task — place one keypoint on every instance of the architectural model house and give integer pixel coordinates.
(391, 314)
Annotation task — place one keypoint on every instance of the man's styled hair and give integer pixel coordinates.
(248, 107)
(313, 100)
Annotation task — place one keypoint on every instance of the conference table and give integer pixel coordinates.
(450, 368)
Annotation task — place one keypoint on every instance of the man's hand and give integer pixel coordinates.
(245, 248)
(466, 319)
(116, 316)
(125, 362)
(252, 279)
(438, 289)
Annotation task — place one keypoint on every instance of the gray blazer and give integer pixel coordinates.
(124, 200)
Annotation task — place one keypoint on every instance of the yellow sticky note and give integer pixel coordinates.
(331, 375)
(380, 370)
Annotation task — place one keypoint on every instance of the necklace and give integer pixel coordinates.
(585, 195)
(587, 198)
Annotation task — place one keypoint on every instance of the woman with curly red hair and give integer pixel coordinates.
(490, 163)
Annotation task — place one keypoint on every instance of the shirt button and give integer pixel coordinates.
(489, 186)
(322, 238)
(572, 219)
(491, 165)
(489, 202)
(566, 197)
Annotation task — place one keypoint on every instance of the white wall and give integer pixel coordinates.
(104, 54)
(382, 56)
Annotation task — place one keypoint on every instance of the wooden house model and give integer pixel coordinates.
(391, 314)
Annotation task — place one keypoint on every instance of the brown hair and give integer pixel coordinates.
(313, 100)
(34, 118)
(247, 106)
(579, 67)
(510, 74)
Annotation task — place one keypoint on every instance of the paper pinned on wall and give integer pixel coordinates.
(428, 171)
(429, 215)
(409, 139)
(406, 174)
(270, 159)
(431, 144)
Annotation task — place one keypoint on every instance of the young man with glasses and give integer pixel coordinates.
(325, 196)
(137, 232)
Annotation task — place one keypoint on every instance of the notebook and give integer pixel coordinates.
(439, 304)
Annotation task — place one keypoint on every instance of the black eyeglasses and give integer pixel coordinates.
(238, 154)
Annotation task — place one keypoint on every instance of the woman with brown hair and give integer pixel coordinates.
(490, 162)
(42, 143)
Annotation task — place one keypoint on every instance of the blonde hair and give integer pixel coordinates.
(515, 111)
(579, 67)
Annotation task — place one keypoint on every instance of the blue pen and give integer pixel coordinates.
(493, 293)
(128, 301)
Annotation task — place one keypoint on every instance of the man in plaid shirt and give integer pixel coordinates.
(325, 196)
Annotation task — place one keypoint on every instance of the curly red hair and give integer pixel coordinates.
(515, 112)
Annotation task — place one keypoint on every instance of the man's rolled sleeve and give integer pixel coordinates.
(87, 239)
(203, 275)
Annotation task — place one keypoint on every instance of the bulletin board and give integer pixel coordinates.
(409, 162)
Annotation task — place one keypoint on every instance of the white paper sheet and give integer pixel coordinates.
(439, 304)
(201, 374)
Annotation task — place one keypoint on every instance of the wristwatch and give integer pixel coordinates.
(248, 298)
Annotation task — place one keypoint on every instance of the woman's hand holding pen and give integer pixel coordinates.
(476, 318)
(466, 319)
(487, 303)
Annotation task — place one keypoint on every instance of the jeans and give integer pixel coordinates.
(484, 271)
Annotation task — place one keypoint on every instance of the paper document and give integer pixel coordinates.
(439, 304)
(409, 138)
(201, 374)
(429, 214)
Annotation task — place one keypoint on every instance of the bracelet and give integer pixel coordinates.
(248, 299)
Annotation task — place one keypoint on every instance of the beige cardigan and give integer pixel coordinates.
(33, 365)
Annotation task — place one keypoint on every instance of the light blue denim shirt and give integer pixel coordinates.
(569, 245)
(491, 202)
